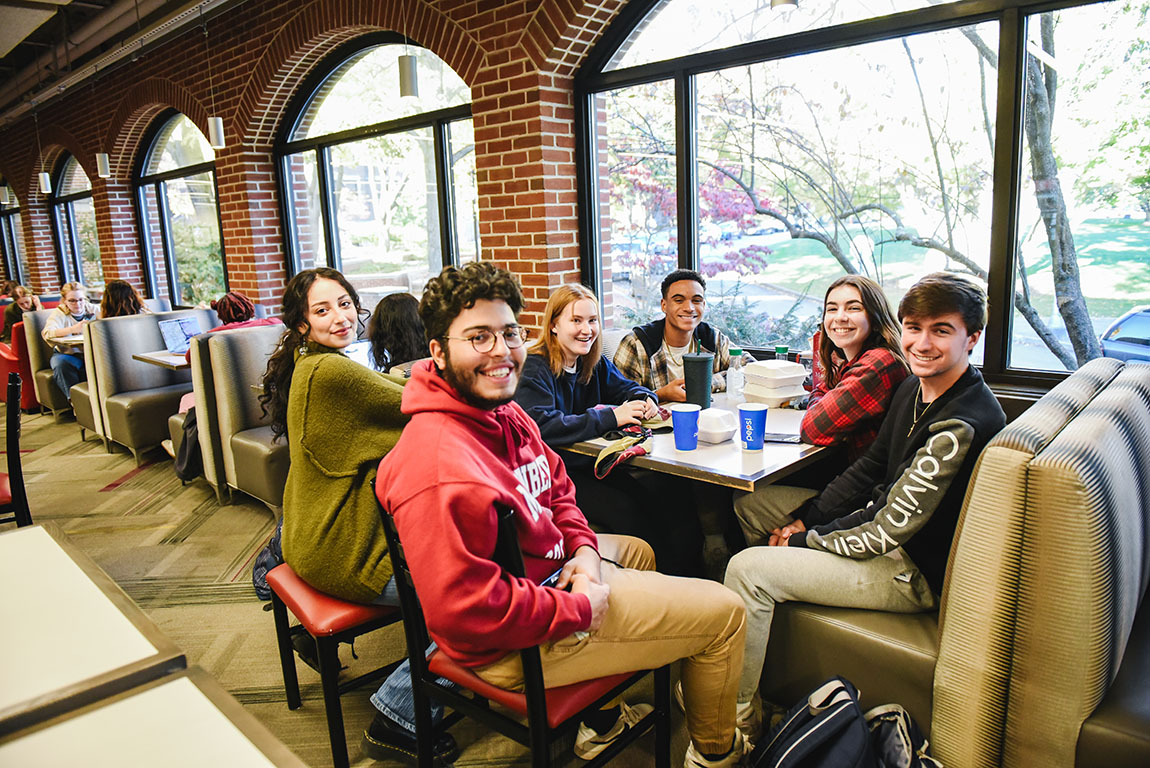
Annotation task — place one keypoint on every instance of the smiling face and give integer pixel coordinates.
(938, 349)
(331, 314)
(684, 307)
(845, 320)
(576, 329)
(76, 301)
(484, 379)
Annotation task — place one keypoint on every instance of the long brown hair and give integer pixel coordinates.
(884, 330)
(120, 299)
(548, 344)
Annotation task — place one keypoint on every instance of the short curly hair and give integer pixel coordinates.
(458, 288)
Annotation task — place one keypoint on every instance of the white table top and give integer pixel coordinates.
(183, 721)
(725, 463)
(76, 339)
(70, 633)
(164, 359)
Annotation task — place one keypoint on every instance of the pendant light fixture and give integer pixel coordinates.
(4, 193)
(216, 135)
(408, 75)
(103, 165)
(45, 179)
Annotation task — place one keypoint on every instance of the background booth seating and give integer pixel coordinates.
(39, 362)
(85, 405)
(135, 398)
(253, 463)
(50, 300)
(1049, 564)
(207, 420)
(158, 305)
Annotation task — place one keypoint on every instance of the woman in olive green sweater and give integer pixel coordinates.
(340, 418)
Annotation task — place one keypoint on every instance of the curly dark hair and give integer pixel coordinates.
(120, 299)
(281, 364)
(234, 307)
(458, 288)
(396, 332)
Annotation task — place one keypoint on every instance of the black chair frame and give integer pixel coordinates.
(537, 735)
(327, 652)
(17, 510)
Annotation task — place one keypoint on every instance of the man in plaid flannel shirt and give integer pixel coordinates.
(652, 354)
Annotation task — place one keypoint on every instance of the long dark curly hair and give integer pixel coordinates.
(281, 364)
(396, 332)
(120, 299)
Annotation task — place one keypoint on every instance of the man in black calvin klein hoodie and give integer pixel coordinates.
(880, 533)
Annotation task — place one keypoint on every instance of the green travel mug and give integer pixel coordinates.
(697, 367)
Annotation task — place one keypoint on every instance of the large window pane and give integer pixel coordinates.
(716, 24)
(465, 189)
(154, 244)
(637, 216)
(872, 159)
(1084, 208)
(180, 144)
(306, 214)
(195, 234)
(84, 214)
(386, 212)
(365, 91)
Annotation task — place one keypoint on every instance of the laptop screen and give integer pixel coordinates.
(178, 333)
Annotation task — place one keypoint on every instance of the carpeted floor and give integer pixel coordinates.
(187, 561)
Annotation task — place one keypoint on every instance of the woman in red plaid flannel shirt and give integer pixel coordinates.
(857, 367)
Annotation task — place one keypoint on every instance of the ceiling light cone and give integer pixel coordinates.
(45, 183)
(103, 165)
(408, 76)
(216, 133)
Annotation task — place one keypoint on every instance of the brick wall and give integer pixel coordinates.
(518, 57)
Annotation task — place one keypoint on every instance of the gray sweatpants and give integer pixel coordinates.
(763, 576)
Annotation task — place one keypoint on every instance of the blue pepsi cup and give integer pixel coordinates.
(685, 422)
(752, 425)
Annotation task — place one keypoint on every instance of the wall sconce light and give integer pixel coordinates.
(103, 165)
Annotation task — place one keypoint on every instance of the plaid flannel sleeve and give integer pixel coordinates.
(863, 394)
(631, 360)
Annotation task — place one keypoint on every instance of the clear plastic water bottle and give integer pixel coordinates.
(736, 378)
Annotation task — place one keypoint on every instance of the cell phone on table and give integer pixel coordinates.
(780, 437)
(552, 580)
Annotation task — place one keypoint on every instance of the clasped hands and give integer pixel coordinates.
(781, 537)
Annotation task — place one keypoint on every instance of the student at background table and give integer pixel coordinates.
(69, 319)
(121, 299)
(858, 365)
(340, 418)
(564, 382)
(23, 300)
(396, 332)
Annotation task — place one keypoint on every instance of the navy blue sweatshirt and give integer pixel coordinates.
(565, 409)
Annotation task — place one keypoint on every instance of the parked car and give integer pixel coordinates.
(1128, 337)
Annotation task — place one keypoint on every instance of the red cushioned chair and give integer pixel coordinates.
(13, 496)
(329, 621)
(552, 714)
(28, 401)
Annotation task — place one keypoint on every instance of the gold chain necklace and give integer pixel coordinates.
(914, 409)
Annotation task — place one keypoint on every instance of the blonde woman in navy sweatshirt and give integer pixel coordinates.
(574, 393)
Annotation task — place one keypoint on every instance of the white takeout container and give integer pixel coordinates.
(772, 396)
(717, 425)
(775, 374)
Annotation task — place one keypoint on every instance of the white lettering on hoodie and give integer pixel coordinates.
(534, 478)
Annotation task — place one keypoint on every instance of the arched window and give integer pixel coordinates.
(12, 237)
(777, 150)
(179, 218)
(378, 185)
(74, 225)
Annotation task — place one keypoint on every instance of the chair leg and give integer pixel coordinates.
(424, 734)
(663, 721)
(329, 677)
(287, 656)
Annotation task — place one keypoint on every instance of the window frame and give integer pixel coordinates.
(61, 213)
(1007, 160)
(158, 184)
(284, 148)
(10, 240)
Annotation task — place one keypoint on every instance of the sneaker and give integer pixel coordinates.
(749, 719)
(589, 743)
(167, 445)
(739, 749)
(384, 740)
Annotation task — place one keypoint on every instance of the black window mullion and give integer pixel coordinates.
(327, 207)
(220, 227)
(686, 174)
(445, 194)
(74, 237)
(143, 233)
(1005, 193)
(587, 192)
(164, 217)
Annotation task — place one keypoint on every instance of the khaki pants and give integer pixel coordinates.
(653, 619)
(763, 576)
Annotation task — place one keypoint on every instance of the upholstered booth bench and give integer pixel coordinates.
(1035, 657)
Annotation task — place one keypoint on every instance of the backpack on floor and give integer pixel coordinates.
(269, 557)
(189, 462)
(824, 730)
(897, 740)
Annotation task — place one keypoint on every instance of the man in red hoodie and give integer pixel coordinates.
(468, 448)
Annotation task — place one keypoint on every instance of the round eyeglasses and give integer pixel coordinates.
(484, 341)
